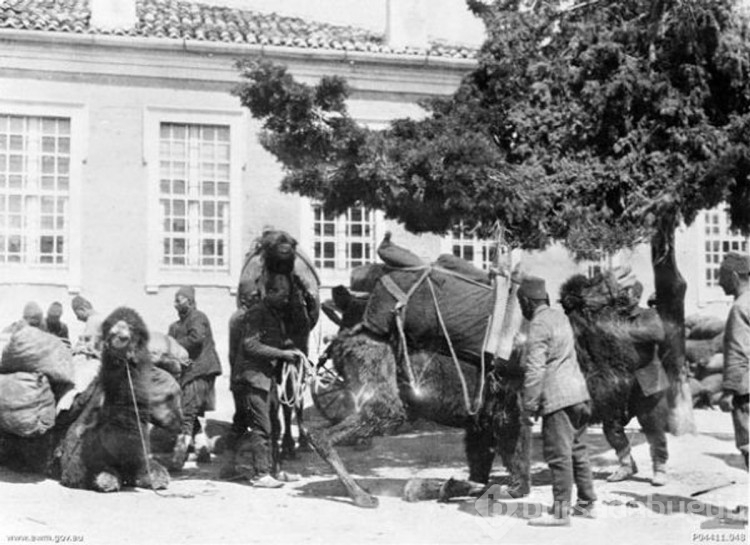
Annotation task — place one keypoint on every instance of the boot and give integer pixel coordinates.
(266, 481)
(583, 509)
(180, 452)
(202, 450)
(626, 470)
(660, 475)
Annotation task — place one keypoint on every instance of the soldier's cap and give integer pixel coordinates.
(737, 262)
(533, 287)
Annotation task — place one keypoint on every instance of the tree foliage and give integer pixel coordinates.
(594, 124)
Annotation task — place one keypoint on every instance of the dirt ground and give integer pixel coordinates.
(198, 508)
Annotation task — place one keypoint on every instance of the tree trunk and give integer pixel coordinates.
(670, 303)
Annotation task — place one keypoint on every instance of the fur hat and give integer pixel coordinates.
(736, 262)
(533, 287)
(80, 302)
(32, 313)
(188, 292)
(55, 309)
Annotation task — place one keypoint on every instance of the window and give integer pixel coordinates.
(597, 266)
(35, 162)
(480, 253)
(719, 240)
(343, 242)
(195, 196)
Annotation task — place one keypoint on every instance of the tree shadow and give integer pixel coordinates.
(732, 460)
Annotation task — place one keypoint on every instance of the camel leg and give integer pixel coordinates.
(287, 441)
(479, 443)
(322, 442)
(303, 443)
(515, 450)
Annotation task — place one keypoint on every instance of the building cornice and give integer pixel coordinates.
(198, 63)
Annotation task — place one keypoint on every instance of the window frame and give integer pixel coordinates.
(711, 294)
(340, 274)
(478, 245)
(70, 276)
(236, 120)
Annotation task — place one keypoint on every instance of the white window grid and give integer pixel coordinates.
(35, 166)
(194, 196)
(345, 241)
(719, 240)
(479, 252)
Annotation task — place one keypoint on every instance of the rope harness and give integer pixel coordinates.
(144, 446)
(402, 300)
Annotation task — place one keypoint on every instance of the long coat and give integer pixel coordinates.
(193, 332)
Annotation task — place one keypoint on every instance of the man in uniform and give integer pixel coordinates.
(648, 397)
(555, 389)
(734, 278)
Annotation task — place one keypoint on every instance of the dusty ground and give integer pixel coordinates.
(200, 509)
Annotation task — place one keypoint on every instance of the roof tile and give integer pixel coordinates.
(185, 20)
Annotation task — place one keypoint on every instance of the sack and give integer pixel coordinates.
(699, 352)
(465, 308)
(32, 350)
(85, 372)
(27, 404)
(165, 400)
(396, 256)
(365, 277)
(700, 327)
(166, 353)
(680, 419)
(463, 267)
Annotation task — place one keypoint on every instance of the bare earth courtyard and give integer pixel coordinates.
(198, 508)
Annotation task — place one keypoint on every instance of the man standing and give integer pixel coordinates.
(53, 323)
(648, 397)
(193, 332)
(734, 278)
(90, 341)
(262, 349)
(555, 388)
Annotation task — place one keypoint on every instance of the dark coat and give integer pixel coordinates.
(261, 342)
(193, 332)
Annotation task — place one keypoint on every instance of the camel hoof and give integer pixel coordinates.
(366, 501)
(156, 479)
(107, 482)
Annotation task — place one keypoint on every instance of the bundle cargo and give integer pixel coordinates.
(165, 400)
(30, 349)
(27, 404)
(440, 307)
(166, 353)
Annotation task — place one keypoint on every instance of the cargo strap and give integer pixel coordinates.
(402, 299)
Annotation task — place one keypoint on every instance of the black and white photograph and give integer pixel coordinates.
(374, 272)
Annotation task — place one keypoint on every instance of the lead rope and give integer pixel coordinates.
(299, 375)
(143, 442)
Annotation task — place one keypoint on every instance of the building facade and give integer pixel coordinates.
(128, 169)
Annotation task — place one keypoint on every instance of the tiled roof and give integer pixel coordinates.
(183, 20)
